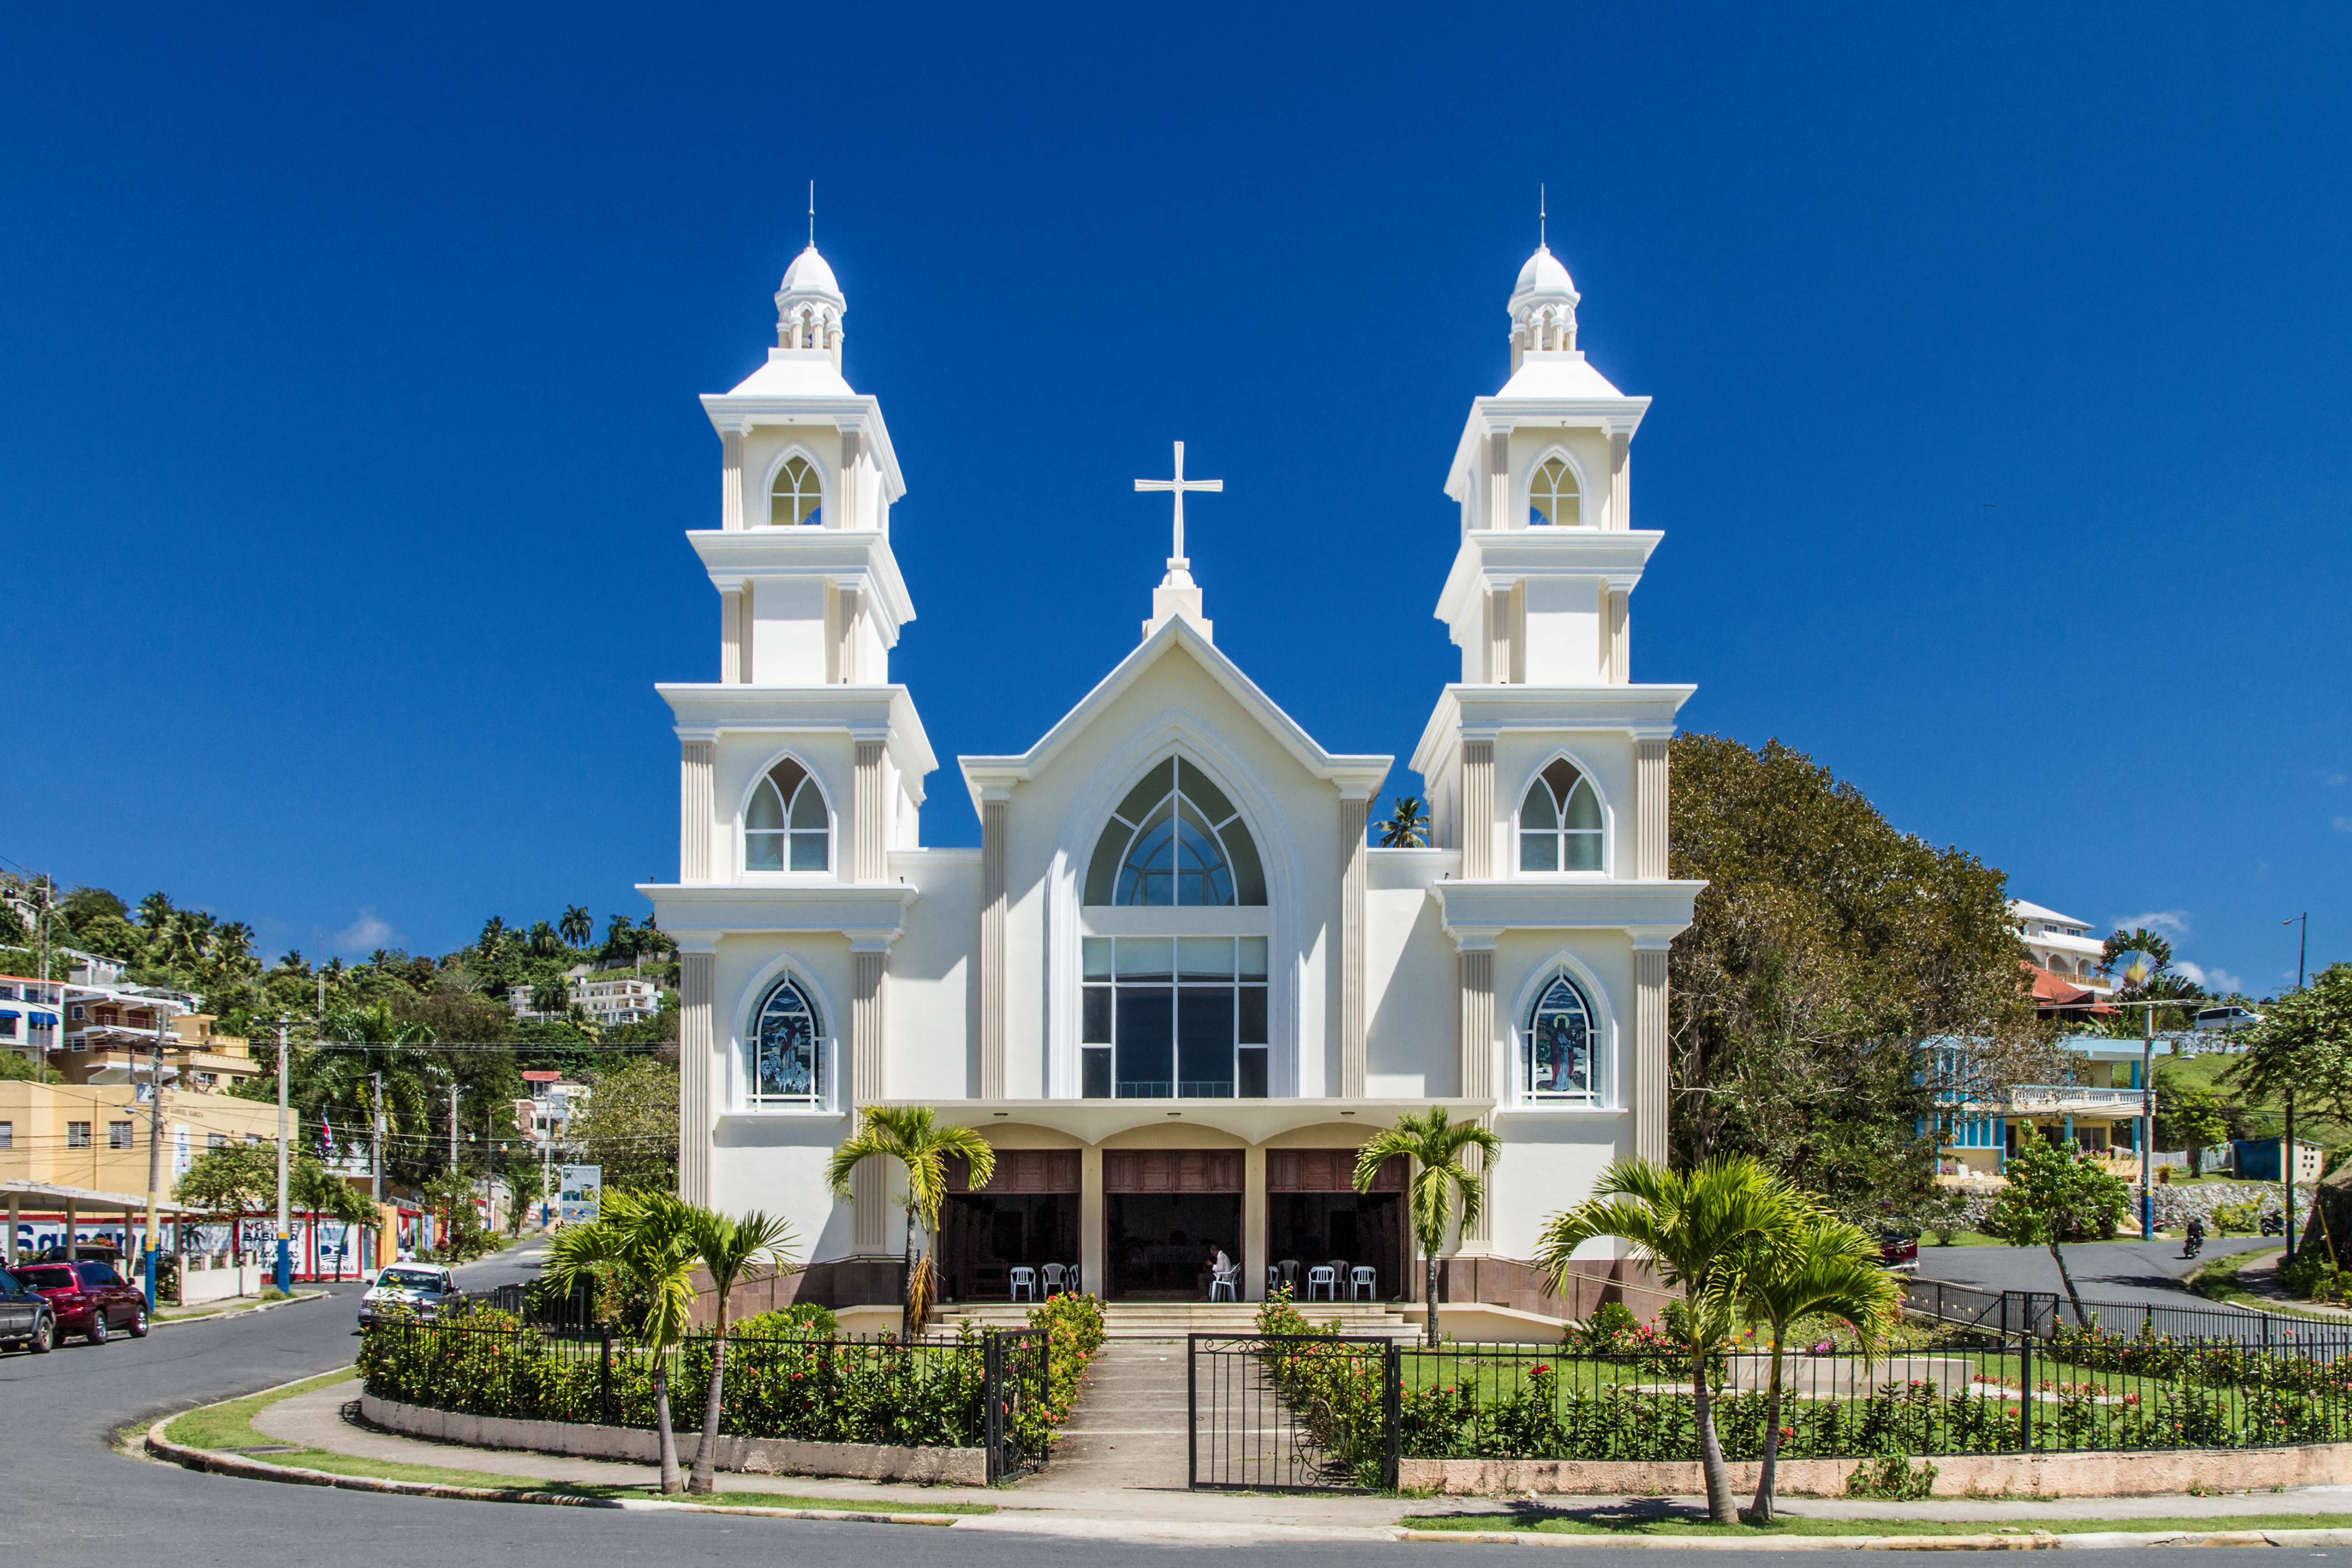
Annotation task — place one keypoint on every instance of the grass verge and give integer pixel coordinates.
(229, 1426)
(2217, 1281)
(1597, 1522)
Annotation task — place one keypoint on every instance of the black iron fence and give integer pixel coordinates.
(986, 1390)
(2043, 1314)
(1299, 1412)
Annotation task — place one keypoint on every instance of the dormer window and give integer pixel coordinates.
(795, 498)
(786, 826)
(1552, 498)
(1560, 821)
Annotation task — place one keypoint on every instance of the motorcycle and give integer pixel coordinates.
(2275, 1222)
(2192, 1245)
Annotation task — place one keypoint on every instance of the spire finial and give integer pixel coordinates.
(812, 215)
(1542, 242)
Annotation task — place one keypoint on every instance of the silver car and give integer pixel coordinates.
(426, 1290)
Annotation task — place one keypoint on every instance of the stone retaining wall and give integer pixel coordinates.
(747, 1456)
(2135, 1474)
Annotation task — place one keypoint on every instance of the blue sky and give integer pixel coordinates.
(349, 356)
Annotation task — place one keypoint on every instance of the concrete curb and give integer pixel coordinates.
(244, 1468)
(155, 1322)
(2036, 1541)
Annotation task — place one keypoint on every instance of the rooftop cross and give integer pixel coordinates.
(1178, 485)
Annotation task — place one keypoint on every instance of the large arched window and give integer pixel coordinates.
(786, 825)
(796, 497)
(1557, 1050)
(787, 1064)
(1560, 821)
(1176, 839)
(1552, 499)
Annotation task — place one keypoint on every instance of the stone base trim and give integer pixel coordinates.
(746, 1456)
(2137, 1473)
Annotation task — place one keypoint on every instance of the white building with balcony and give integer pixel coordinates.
(1175, 986)
(606, 1002)
(2062, 945)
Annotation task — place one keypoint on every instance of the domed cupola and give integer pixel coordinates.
(810, 307)
(1543, 308)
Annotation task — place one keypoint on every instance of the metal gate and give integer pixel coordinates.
(1291, 1412)
(1015, 1371)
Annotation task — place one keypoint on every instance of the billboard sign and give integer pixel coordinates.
(581, 1198)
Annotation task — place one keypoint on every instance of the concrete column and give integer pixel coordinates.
(744, 618)
(1499, 479)
(13, 1215)
(1353, 815)
(1474, 967)
(847, 503)
(1478, 810)
(1616, 657)
(730, 636)
(694, 810)
(1090, 1219)
(1252, 1280)
(1499, 637)
(731, 473)
(697, 1069)
(872, 1183)
(846, 658)
(1649, 1096)
(1650, 808)
(994, 825)
(867, 824)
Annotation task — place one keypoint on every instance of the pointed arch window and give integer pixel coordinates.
(1557, 1050)
(786, 826)
(787, 1064)
(1176, 839)
(795, 498)
(1560, 821)
(1553, 500)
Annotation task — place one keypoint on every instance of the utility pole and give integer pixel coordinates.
(2147, 1123)
(449, 1222)
(154, 1152)
(375, 1150)
(2286, 1145)
(285, 1231)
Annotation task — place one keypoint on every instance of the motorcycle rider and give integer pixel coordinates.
(2195, 1238)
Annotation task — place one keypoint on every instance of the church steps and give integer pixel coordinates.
(1173, 1320)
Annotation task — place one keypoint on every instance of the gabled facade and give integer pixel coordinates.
(1175, 986)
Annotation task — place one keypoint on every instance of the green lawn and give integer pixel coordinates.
(1652, 1522)
(229, 1426)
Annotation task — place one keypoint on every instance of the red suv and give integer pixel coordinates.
(90, 1299)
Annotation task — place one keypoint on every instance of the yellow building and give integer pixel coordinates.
(96, 1134)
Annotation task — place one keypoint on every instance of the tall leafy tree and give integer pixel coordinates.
(629, 1125)
(577, 925)
(2056, 1194)
(1443, 1187)
(1825, 949)
(727, 1247)
(913, 1138)
(1706, 1231)
(1407, 826)
(649, 1243)
(1825, 1265)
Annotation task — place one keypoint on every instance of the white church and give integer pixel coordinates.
(1176, 986)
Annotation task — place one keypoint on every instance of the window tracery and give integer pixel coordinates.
(794, 500)
(1553, 499)
(787, 1050)
(1176, 839)
(786, 825)
(1556, 1053)
(1560, 821)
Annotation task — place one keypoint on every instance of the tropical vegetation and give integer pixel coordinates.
(912, 1138)
(1446, 1182)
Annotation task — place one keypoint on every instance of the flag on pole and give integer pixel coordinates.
(329, 1127)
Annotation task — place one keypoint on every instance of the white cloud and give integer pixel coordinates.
(2332, 780)
(2344, 825)
(2220, 981)
(367, 933)
(2161, 922)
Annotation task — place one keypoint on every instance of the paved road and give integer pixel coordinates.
(2133, 1272)
(72, 1497)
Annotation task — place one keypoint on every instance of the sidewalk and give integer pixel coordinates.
(1097, 1491)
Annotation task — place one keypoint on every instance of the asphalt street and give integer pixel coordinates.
(2133, 1272)
(72, 1496)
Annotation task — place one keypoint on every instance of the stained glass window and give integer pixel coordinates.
(787, 1049)
(1556, 1059)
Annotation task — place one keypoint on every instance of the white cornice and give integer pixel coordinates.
(1493, 415)
(1251, 1120)
(858, 557)
(859, 412)
(1531, 903)
(1492, 558)
(1355, 778)
(1645, 713)
(708, 708)
(853, 910)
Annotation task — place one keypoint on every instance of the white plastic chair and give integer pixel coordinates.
(1024, 1279)
(1057, 1278)
(1365, 1279)
(1321, 1276)
(1273, 1279)
(1224, 1279)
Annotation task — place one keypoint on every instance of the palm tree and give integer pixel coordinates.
(412, 1079)
(577, 925)
(543, 942)
(912, 1135)
(620, 934)
(1435, 1143)
(316, 1191)
(495, 938)
(1705, 1231)
(728, 1247)
(1407, 828)
(649, 1241)
(1829, 1266)
(154, 911)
